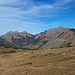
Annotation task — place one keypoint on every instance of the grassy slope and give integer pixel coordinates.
(39, 62)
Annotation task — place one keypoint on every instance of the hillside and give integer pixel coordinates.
(18, 38)
(39, 62)
(52, 38)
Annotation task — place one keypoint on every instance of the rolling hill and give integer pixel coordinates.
(38, 62)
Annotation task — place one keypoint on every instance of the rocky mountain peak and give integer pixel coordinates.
(52, 38)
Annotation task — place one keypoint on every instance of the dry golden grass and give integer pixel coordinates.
(39, 62)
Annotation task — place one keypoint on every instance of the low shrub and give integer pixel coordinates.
(7, 46)
(16, 47)
(4, 52)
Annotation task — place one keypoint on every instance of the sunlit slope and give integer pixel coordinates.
(54, 38)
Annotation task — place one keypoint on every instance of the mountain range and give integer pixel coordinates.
(52, 38)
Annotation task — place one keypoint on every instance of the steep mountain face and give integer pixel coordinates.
(2, 41)
(18, 38)
(53, 38)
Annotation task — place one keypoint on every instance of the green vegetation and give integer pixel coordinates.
(16, 47)
(6, 48)
(6, 45)
(10, 51)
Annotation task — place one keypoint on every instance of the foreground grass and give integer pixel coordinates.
(39, 62)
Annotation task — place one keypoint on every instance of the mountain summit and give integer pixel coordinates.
(52, 38)
(18, 38)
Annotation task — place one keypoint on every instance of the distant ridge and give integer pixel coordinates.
(52, 38)
(18, 38)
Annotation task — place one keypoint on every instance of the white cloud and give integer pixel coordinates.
(14, 11)
(17, 8)
(45, 10)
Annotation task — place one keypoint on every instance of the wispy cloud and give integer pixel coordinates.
(27, 12)
(29, 8)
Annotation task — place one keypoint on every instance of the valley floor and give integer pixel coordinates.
(39, 62)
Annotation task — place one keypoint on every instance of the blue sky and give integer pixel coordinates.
(35, 16)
